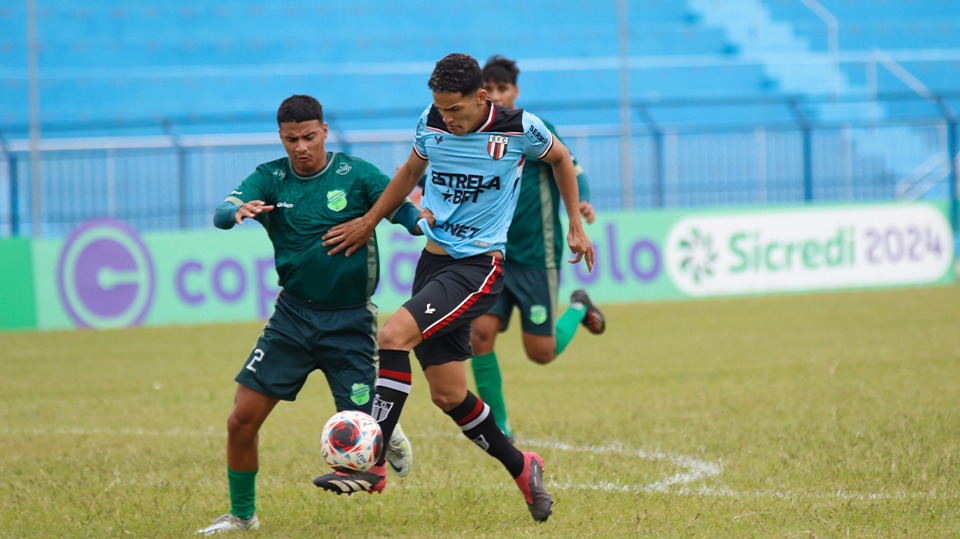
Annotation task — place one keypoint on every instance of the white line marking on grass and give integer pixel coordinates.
(696, 469)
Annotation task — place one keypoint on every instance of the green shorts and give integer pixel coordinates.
(534, 292)
(302, 337)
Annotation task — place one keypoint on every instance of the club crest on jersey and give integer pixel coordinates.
(336, 200)
(497, 146)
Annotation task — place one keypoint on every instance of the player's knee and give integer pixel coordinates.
(542, 355)
(482, 342)
(241, 426)
(399, 335)
(446, 401)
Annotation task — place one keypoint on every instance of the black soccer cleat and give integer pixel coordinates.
(593, 320)
(372, 480)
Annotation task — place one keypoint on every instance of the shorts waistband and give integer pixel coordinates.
(309, 303)
(492, 254)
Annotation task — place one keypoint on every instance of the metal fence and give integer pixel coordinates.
(716, 159)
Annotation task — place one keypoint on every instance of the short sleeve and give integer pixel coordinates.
(419, 144)
(537, 138)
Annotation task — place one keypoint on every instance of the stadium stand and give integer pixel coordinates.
(727, 95)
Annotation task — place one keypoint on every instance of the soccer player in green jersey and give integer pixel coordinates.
(531, 268)
(323, 318)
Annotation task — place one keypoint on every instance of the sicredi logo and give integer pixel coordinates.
(795, 250)
(105, 276)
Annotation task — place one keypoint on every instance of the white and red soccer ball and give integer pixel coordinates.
(351, 441)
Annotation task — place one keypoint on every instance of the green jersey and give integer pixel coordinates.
(304, 209)
(535, 238)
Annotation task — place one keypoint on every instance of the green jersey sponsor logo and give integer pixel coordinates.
(538, 314)
(336, 200)
(360, 394)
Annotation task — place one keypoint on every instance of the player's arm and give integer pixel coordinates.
(583, 191)
(407, 216)
(352, 235)
(234, 209)
(583, 183)
(566, 178)
(230, 213)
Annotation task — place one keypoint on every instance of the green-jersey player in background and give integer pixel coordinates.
(531, 267)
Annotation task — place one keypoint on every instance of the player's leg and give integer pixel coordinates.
(486, 369)
(448, 390)
(447, 294)
(393, 387)
(250, 410)
(275, 370)
(536, 299)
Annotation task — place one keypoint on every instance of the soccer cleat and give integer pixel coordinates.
(230, 523)
(593, 320)
(400, 453)
(372, 480)
(531, 485)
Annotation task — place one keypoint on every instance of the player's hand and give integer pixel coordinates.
(580, 246)
(429, 216)
(348, 236)
(587, 212)
(251, 210)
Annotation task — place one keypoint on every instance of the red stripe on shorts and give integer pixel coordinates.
(471, 299)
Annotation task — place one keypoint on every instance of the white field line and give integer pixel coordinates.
(680, 483)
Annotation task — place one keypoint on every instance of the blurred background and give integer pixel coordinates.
(151, 112)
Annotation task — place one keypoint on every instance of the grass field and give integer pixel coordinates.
(828, 415)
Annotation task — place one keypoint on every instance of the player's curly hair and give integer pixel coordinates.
(299, 108)
(501, 70)
(456, 72)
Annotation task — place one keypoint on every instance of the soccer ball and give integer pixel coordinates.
(351, 441)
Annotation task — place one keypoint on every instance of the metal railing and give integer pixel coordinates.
(800, 150)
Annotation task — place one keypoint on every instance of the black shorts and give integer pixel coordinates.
(448, 293)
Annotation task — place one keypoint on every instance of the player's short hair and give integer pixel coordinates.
(299, 108)
(500, 70)
(456, 72)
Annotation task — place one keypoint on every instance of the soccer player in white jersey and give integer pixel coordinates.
(476, 152)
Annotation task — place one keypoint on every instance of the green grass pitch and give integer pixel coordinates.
(821, 415)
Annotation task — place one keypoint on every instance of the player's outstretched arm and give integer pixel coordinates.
(228, 214)
(352, 235)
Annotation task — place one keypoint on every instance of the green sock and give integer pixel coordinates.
(243, 493)
(490, 387)
(567, 326)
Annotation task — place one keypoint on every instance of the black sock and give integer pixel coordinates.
(393, 386)
(477, 424)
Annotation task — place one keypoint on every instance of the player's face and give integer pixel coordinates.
(304, 142)
(502, 93)
(462, 113)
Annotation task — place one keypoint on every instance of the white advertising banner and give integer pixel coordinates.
(814, 248)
